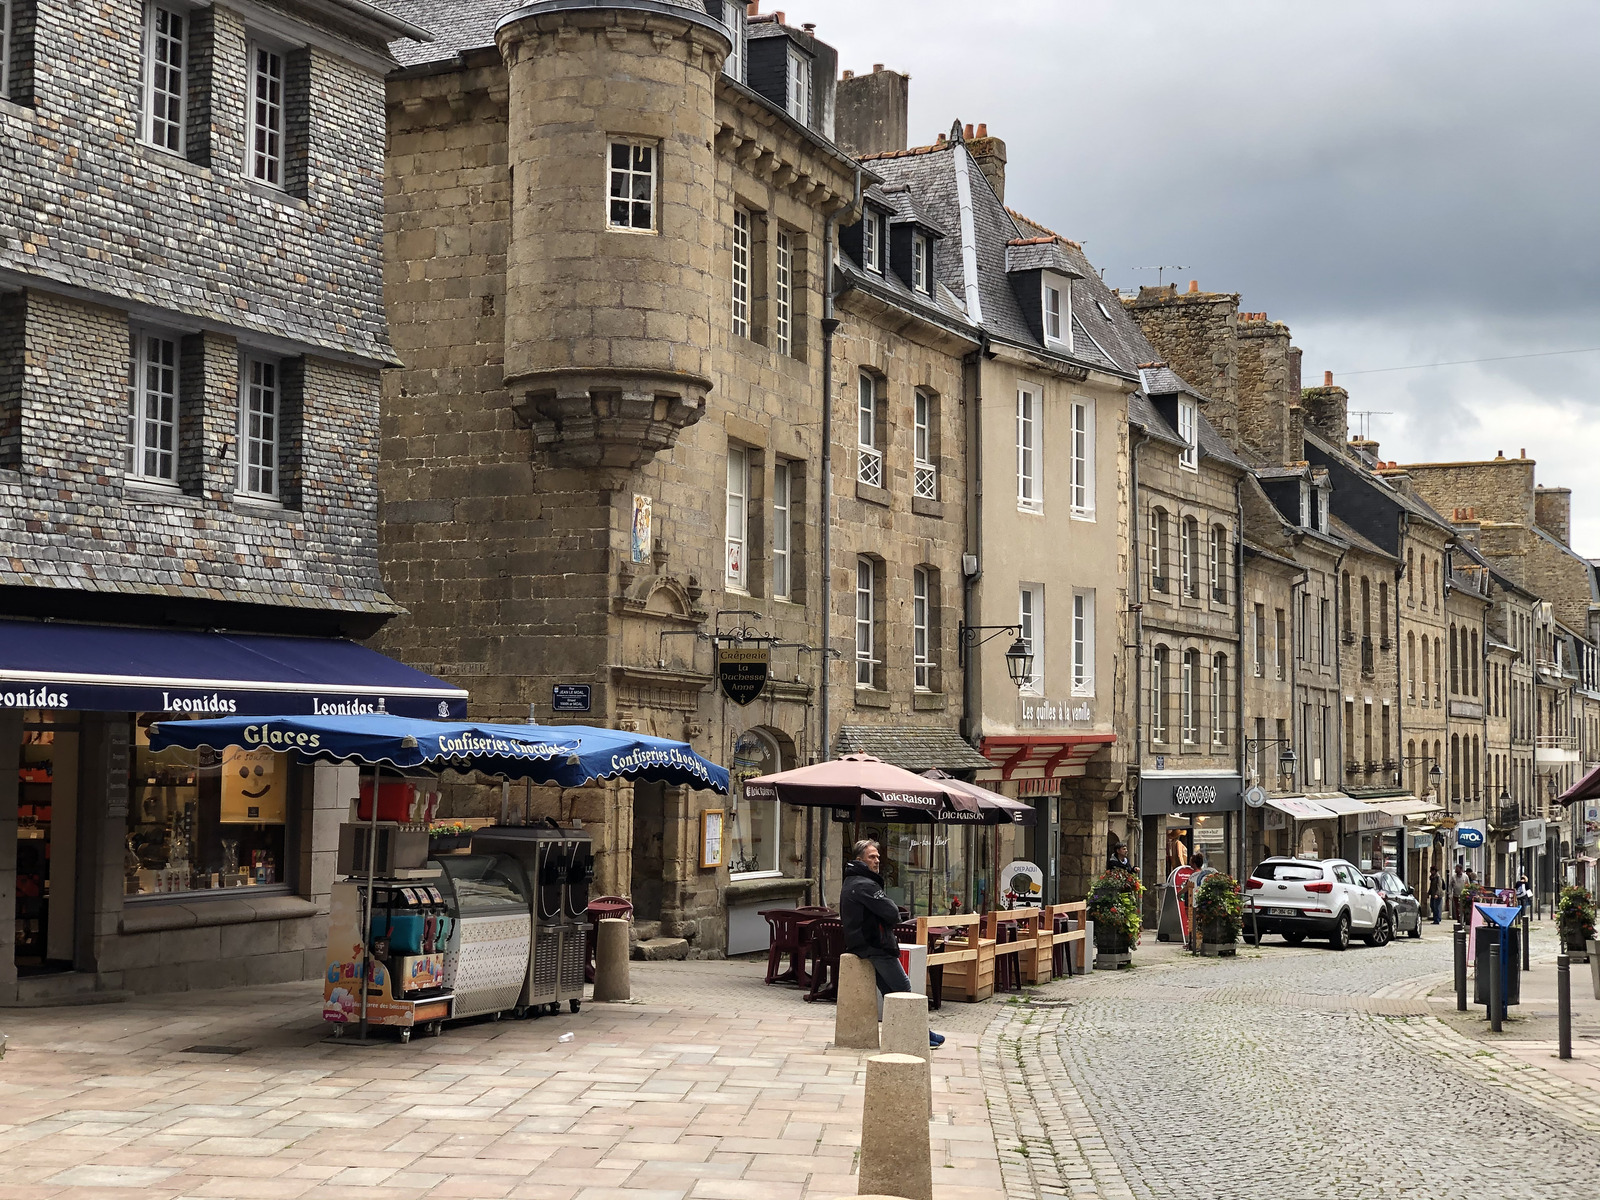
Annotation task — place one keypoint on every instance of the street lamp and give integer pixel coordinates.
(1019, 658)
(1287, 760)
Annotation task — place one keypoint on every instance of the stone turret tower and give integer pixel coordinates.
(613, 223)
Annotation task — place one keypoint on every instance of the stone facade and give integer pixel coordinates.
(558, 371)
(1197, 334)
(110, 237)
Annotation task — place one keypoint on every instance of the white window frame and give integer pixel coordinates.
(1050, 304)
(1030, 624)
(872, 235)
(1305, 505)
(1081, 479)
(1189, 431)
(1258, 629)
(866, 622)
(260, 427)
(782, 529)
(629, 178)
(736, 567)
(264, 114)
(783, 292)
(1219, 700)
(741, 272)
(869, 458)
(144, 430)
(921, 630)
(1083, 642)
(1218, 561)
(1029, 429)
(925, 472)
(1189, 556)
(799, 90)
(171, 135)
(1160, 522)
(734, 18)
(920, 257)
(1160, 670)
(5, 49)
(1188, 697)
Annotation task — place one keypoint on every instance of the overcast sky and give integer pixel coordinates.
(1403, 182)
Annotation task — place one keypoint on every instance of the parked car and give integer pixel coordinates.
(1405, 910)
(1298, 898)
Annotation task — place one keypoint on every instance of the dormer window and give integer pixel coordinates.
(921, 280)
(872, 239)
(733, 65)
(1055, 310)
(1189, 431)
(799, 104)
(1305, 505)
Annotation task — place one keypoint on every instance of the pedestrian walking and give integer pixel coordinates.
(1435, 894)
(1524, 893)
(869, 918)
(1457, 882)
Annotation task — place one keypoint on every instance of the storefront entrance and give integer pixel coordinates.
(47, 842)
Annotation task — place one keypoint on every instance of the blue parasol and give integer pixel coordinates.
(616, 754)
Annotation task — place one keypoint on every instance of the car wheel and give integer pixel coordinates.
(1416, 930)
(1294, 937)
(1381, 933)
(1339, 939)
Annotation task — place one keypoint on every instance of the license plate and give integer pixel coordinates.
(1280, 912)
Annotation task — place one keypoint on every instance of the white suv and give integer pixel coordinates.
(1298, 898)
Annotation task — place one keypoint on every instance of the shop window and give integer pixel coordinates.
(754, 836)
(47, 822)
(205, 821)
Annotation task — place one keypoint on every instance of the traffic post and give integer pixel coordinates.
(1564, 1006)
(1459, 935)
(1527, 929)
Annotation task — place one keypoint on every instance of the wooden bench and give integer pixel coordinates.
(967, 958)
(1015, 933)
(1057, 959)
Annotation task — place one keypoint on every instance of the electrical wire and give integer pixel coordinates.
(1461, 362)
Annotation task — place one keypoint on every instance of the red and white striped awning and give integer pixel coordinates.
(1040, 755)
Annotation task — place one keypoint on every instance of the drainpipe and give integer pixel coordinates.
(1239, 648)
(1295, 707)
(972, 387)
(1136, 523)
(830, 324)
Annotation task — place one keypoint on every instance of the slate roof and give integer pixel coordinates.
(900, 201)
(461, 25)
(914, 747)
(1411, 504)
(1345, 533)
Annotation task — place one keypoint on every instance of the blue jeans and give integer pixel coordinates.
(1437, 903)
(892, 977)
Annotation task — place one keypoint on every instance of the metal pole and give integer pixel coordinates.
(1496, 1008)
(1527, 928)
(366, 932)
(1564, 1006)
(1459, 937)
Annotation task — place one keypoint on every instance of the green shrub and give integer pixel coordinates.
(1575, 913)
(1219, 908)
(1114, 903)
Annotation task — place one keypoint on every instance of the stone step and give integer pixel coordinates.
(66, 989)
(644, 931)
(659, 948)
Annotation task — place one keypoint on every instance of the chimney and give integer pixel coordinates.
(870, 112)
(1194, 287)
(753, 8)
(990, 155)
(1295, 355)
(1327, 379)
(1552, 512)
(1327, 411)
(1294, 449)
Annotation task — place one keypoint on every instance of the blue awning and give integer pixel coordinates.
(108, 668)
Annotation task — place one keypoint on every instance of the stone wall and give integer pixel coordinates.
(1552, 512)
(1266, 388)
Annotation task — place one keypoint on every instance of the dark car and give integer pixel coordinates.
(1405, 910)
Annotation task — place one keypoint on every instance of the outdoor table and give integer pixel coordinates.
(599, 909)
(788, 934)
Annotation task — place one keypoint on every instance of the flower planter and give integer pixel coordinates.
(1574, 945)
(1219, 949)
(1594, 967)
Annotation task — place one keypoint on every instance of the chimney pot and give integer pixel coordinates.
(1523, 453)
(1194, 286)
(753, 9)
(983, 129)
(778, 17)
(876, 67)
(1327, 379)
(940, 142)
(1499, 453)
(849, 74)
(809, 27)
(968, 131)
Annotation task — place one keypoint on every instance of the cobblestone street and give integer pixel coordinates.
(1292, 1073)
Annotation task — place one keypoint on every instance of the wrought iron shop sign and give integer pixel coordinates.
(742, 671)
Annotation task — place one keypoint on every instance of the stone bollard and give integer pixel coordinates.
(905, 1030)
(611, 960)
(855, 1015)
(896, 1157)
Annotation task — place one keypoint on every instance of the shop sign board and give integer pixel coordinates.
(1531, 834)
(1469, 837)
(1190, 794)
(1378, 819)
(571, 697)
(742, 671)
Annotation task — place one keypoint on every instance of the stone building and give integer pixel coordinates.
(1047, 534)
(604, 462)
(191, 335)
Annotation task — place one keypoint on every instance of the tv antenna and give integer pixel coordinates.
(1364, 421)
(1160, 271)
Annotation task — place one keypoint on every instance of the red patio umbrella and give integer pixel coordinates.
(1586, 788)
(870, 787)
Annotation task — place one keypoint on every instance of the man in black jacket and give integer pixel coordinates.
(869, 918)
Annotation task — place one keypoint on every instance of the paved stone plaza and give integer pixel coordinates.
(1286, 1073)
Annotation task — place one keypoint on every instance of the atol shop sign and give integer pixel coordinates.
(1469, 837)
(1190, 794)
